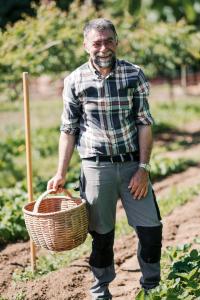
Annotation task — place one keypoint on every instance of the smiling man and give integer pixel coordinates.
(106, 116)
(101, 46)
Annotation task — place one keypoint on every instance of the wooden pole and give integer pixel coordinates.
(28, 157)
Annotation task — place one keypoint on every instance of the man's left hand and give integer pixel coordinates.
(138, 185)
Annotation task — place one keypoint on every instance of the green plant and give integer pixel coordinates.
(176, 197)
(12, 226)
(52, 262)
(53, 50)
(171, 116)
(20, 296)
(181, 275)
(163, 166)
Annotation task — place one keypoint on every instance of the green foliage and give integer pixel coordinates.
(164, 10)
(12, 226)
(13, 149)
(47, 44)
(123, 7)
(10, 173)
(21, 296)
(181, 275)
(162, 166)
(161, 48)
(51, 43)
(52, 262)
(170, 10)
(176, 197)
(171, 116)
(13, 10)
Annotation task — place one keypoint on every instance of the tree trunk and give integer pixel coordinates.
(171, 91)
(184, 77)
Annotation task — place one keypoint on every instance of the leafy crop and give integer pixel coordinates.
(181, 275)
(12, 226)
(162, 166)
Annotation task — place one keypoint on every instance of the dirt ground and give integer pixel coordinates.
(73, 282)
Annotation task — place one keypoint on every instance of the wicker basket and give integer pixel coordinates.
(57, 223)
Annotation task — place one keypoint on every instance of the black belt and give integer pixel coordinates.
(133, 156)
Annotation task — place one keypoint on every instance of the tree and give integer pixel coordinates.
(48, 44)
(161, 48)
(14, 10)
(175, 10)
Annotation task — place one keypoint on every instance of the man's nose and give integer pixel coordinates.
(103, 47)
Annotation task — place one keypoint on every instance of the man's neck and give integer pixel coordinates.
(102, 71)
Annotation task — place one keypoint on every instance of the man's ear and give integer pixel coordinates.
(85, 47)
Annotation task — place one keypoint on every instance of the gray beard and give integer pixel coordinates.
(104, 63)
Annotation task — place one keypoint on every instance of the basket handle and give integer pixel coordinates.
(51, 191)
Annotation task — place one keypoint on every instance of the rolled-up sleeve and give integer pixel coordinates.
(140, 101)
(71, 108)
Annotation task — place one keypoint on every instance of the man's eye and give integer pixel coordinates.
(97, 44)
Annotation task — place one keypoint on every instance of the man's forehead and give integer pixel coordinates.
(100, 35)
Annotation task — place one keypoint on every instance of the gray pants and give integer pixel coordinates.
(102, 184)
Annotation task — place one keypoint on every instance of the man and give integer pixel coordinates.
(106, 115)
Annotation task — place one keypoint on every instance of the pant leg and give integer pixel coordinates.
(100, 189)
(148, 254)
(144, 216)
(102, 278)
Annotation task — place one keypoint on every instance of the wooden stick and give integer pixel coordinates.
(28, 157)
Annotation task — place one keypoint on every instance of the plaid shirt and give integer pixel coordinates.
(104, 111)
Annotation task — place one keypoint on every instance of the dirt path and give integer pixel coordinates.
(72, 283)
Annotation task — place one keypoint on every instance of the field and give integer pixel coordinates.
(176, 177)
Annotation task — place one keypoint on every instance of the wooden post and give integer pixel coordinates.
(28, 157)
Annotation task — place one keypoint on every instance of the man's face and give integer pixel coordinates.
(101, 46)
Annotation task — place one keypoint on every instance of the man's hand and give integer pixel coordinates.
(56, 182)
(139, 184)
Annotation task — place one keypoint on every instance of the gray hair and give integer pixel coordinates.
(99, 24)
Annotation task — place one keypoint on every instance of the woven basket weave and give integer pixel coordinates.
(57, 223)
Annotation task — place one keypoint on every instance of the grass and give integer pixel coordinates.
(177, 197)
(162, 167)
(43, 114)
(50, 261)
(175, 115)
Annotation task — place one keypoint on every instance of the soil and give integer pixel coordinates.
(73, 282)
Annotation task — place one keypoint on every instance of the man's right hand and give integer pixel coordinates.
(56, 182)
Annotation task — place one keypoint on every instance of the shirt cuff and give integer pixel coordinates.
(144, 121)
(69, 130)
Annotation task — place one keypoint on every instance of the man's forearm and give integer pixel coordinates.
(66, 148)
(145, 142)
